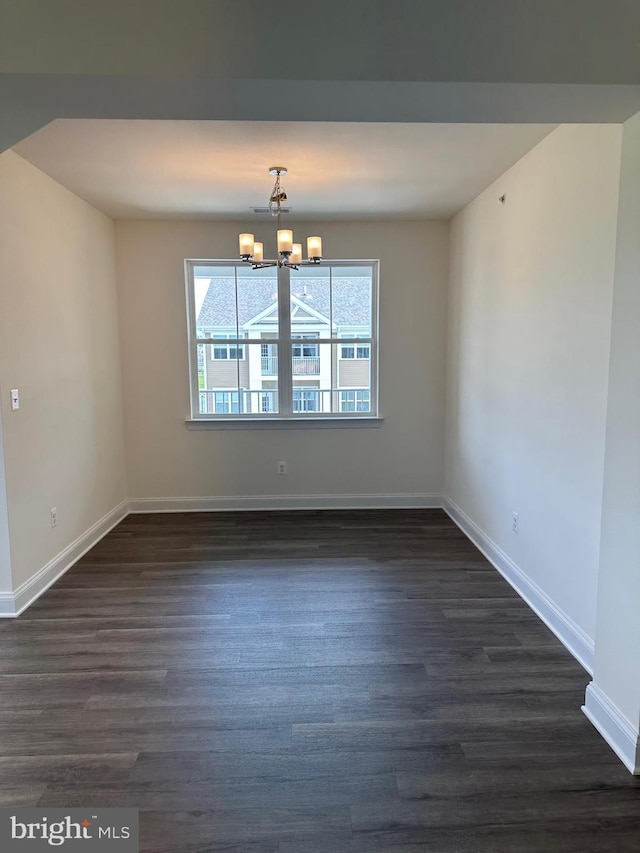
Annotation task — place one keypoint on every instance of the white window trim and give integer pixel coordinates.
(285, 417)
(265, 422)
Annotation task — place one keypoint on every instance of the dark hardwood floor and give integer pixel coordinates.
(309, 682)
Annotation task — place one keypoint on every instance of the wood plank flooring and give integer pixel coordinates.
(309, 682)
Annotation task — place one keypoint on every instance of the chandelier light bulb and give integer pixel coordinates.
(258, 253)
(285, 241)
(296, 254)
(246, 245)
(314, 248)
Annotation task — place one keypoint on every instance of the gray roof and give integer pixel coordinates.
(350, 304)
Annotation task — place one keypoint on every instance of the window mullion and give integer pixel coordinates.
(285, 377)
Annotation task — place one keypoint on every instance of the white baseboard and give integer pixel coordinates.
(287, 502)
(13, 603)
(618, 732)
(7, 605)
(566, 630)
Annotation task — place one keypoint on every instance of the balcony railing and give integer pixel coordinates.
(303, 365)
(234, 403)
(269, 365)
(305, 400)
(306, 365)
(309, 400)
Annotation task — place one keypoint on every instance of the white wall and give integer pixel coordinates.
(402, 457)
(59, 346)
(617, 665)
(529, 332)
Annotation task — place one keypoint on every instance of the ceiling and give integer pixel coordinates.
(219, 170)
(527, 41)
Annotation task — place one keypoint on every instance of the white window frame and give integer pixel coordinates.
(284, 347)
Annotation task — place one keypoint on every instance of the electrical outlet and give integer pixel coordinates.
(515, 522)
(282, 467)
(54, 517)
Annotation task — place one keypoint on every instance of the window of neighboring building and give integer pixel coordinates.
(355, 400)
(270, 343)
(226, 402)
(306, 400)
(304, 350)
(268, 402)
(351, 351)
(224, 351)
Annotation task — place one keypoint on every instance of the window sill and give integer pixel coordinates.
(283, 423)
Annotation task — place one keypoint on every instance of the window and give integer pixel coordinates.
(267, 402)
(268, 360)
(270, 343)
(306, 400)
(352, 351)
(226, 402)
(305, 350)
(355, 401)
(226, 351)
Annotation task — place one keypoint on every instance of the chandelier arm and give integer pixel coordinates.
(264, 265)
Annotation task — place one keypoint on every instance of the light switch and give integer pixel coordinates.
(15, 400)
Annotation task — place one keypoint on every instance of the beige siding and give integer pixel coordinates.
(353, 373)
(223, 373)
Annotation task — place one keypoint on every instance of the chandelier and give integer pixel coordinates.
(290, 253)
